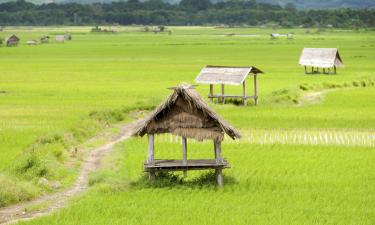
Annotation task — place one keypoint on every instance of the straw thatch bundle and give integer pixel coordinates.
(184, 113)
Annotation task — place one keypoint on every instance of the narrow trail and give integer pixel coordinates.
(16, 213)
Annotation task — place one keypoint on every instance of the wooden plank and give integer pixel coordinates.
(196, 164)
(230, 96)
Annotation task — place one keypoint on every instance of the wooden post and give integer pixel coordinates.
(324, 70)
(255, 90)
(219, 177)
(184, 154)
(305, 70)
(244, 93)
(222, 94)
(211, 92)
(218, 152)
(151, 155)
(312, 70)
(334, 67)
(218, 172)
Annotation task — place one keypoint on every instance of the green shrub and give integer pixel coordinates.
(13, 191)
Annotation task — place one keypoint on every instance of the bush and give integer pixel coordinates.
(13, 191)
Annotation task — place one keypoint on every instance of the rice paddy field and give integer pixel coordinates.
(307, 155)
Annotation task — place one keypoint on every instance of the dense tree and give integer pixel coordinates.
(188, 12)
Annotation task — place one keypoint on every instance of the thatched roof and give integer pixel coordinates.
(12, 38)
(225, 74)
(184, 113)
(321, 57)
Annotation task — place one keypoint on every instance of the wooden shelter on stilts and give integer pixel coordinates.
(328, 59)
(229, 75)
(185, 114)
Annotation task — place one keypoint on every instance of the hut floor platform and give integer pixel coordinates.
(230, 96)
(195, 164)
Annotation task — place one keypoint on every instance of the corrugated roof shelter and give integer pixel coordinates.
(228, 75)
(325, 58)
(185, 114)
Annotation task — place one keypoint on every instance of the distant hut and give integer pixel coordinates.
(274, 35)
(60, 38)
(31, 42)
(290, 36)
(185, 114)
(44, 39)
(229, 75)
(68, 36)
(325, 58)
(12, 40)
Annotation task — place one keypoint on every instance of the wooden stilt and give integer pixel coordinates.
(222, 94)
(218, 172)
(218, 152)
(324, 70)
(244, 93)
(151, 155)
(312, 70)
(211, 92)
(305, 70)
(335, 70)
(255, 90)
(219, 177)
(184, 154)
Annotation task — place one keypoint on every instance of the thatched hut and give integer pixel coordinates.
(60, 38)
(185, 114)
(325, 58)
(12, 40)
(44, 39)
(229, 75)
(31, 42)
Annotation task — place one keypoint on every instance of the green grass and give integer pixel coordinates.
(52, 89)
(267, 184)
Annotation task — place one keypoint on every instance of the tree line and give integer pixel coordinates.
(187, 12)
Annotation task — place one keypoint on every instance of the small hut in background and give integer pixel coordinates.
(328, 59)
(44, 39)
(185, 114)
(274, 35)
(31, 42)
(68, 36)
(229, 75)
(60, 38)
(12, 40)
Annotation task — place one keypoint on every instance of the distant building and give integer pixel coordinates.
(185, 114)
(12, 40)
(67, 36)
(44, 39)
(60, 38)
(31, 42)
(326, 58)
(230, 75)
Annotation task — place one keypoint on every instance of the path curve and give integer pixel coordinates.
(16, 213)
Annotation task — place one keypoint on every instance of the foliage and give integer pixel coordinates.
(187, 12)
